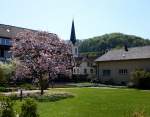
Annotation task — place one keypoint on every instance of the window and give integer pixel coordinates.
(91, 70)
(5, 41)
(89, 64)
(74, 70)
(77, 70)
(106, 72)
(76, 51)
(2, 53)
(8, 42)
(85, 71)
(7, 54)
(123, 71)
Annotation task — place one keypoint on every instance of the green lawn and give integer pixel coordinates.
(97, 102)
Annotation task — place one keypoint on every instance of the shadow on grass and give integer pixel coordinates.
(47, 97)
(53, 97)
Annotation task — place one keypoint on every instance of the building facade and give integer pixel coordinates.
(116, 66)
(85, 67)
(7, 33)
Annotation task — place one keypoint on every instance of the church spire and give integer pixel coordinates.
(73, 34)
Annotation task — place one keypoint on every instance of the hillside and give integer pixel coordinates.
(100, 44)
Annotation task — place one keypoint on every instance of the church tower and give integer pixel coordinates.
(74, 41)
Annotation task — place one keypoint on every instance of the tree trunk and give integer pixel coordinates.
(41, 85)
(42, 91)
(52, 84)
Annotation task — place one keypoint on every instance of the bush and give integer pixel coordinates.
(52, 97)
(14, 97)
(141, 79)
(28, 86)
(1, 75)
(3, 89)
(29, 108)
(7, 107)
(6, 70)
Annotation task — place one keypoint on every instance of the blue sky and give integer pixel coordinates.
(92, 17)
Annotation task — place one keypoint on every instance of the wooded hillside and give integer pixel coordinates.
(100, 44)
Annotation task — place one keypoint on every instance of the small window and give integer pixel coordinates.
(106, 72)
(85, 71)
(74, 70)
(3, 42)
(2, 53)
(76, 51)
(91, 70)
(123, 71)
(77, 70)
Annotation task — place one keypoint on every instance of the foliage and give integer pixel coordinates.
(1, 75)
(101, 44)
(141, 78)
(29, 108)
(7, 107)
(14, 96)
(3, 89)
(53, 97)
(28, 86)
(6, 71)
(40, 54)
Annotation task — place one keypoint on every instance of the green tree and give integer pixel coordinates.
(101, 44)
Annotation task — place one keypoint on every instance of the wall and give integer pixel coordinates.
(114, 66)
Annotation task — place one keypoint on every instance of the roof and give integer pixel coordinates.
(82, 59)
(73, 34)
(121, 54)
(9, 31)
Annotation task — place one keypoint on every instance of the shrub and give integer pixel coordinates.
(28, 86)
(3, 89)
(141, 79)
(52, 97)
(1, 75)
(6, 70)
(14, 97)
(7, 107)
(29, 108)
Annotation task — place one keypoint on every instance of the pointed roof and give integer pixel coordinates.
(73, 34)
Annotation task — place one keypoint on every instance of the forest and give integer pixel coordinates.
(97, 46)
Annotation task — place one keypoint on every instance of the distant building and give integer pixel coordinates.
(73, 41)
(116, 66)
(84, 66)
(8, 32)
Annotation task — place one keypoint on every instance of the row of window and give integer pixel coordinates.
(120, 72)
(5, 41)
(85, 71)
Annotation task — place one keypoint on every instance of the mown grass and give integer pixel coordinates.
(96, 102)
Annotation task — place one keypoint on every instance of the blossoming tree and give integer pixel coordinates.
(39, 54)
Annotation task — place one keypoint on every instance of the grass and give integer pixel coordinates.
(96, 102)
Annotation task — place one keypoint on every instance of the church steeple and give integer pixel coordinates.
(73, 34)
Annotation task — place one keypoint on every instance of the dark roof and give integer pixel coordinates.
(73, 34)
(121, 54)
(11, 31)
